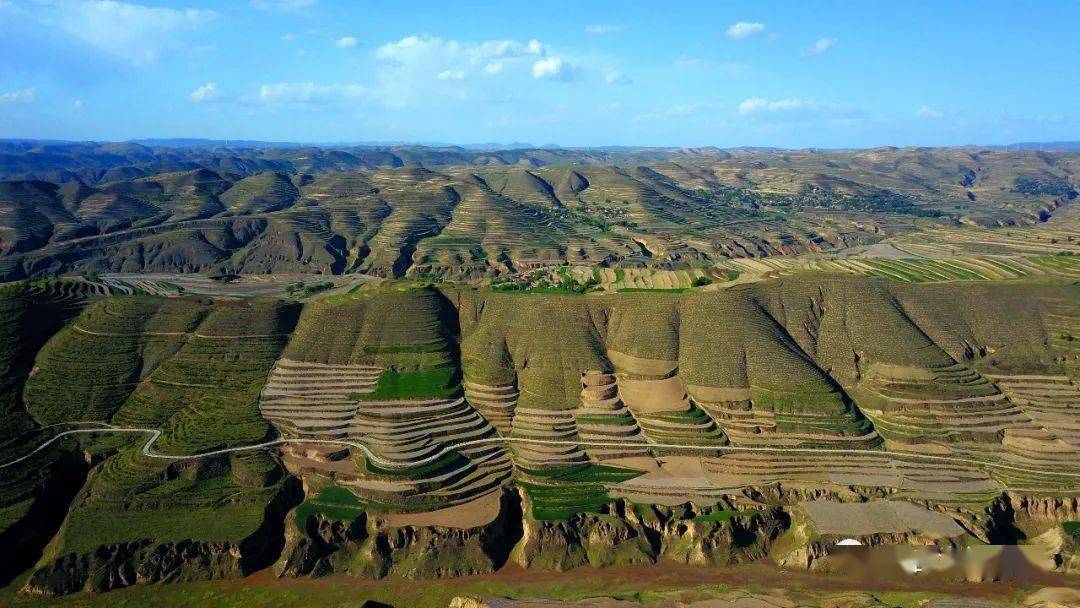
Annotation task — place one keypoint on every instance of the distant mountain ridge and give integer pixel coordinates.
(461, 214)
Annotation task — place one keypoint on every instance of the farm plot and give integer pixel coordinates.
(561, 492)
(762, 385)
(663, 410)
(835, 519)
(90, 368)
(604, 418)
(309, 399)
(496, 403)
(949, 403)
(1051, 401)
(964, 413)
(380, 367)
(911, 269)
(546, 425)
(909, 477)
(29, 316)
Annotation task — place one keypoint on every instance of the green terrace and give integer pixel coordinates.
(426, 383)
(448, 461)
(562, 492)
(333, 502)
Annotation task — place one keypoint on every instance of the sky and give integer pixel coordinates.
(633, 73)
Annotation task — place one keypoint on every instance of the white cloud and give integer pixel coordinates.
(928, 112)
(616, 77)
(419, 49)
(309, 92)
(282, 5)
(346, 42)
(745, 29)
(756, 105)
(207, 92)
(288, 37)
(78, 104)
(20, 96)
(821, 46)
(405, 67)
(552, 68)
(451, 75)
(603, 28)
(679, 111)
(131, 32)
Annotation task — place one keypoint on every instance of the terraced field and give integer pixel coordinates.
(402, 415)
(380, 367)
(914, 269)
(190, 368)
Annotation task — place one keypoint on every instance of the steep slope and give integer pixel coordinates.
(183, 520)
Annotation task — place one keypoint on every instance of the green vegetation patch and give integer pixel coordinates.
(569, 490)
(94, 527)
(555, 502)
(621, 420)
(448, 461)
(585, 472)
(1072, 528)
(727, 515)
(303, 290)
(425, 383)
(334, 502)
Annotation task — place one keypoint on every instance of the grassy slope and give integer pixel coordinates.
(26, 322)
(201, 386)
(203, 394)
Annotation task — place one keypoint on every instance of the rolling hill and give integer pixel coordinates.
(465, 215)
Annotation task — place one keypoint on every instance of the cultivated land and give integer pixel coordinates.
(235, 364)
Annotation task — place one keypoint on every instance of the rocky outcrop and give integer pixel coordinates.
(121, 565)
(115, 566)
(370, 548)
(1046, 508)
(642, 535)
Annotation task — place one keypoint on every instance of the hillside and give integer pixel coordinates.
(466, 215)
(411, 430)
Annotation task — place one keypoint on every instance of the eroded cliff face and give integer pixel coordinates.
(1050, 509)
(115, 566)
(140, 562)
(369, 547)
(644, 534)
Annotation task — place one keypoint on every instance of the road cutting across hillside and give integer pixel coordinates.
(147, 450)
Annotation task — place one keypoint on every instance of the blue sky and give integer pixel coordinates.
(793, 74)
